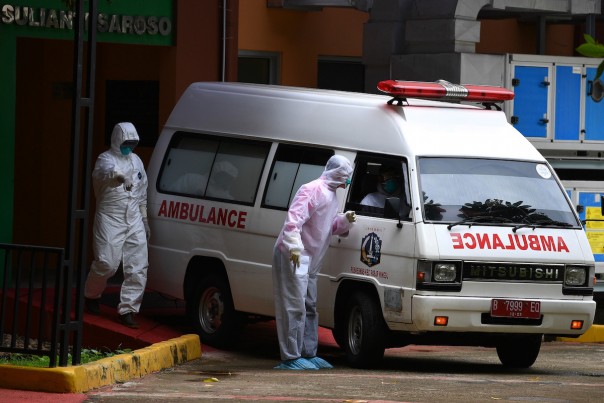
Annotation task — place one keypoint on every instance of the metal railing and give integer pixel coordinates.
(36, 302)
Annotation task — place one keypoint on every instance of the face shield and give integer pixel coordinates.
(128, 146)
(390, 181)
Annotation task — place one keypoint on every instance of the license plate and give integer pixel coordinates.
(515, 308)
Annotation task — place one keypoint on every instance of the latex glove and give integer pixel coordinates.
(351, 216)
(147, 229)
(295, 258)
(143, 210)
(128, 184)
(122, 179)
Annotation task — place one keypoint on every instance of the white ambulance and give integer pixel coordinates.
(478, 244)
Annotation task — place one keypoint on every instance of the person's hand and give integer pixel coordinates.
(351, 216)
(123, 179)
(128, 184)
(295, 258)
(143, 210)
(147, 228)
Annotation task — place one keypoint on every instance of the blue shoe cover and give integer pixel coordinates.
(319, 362)
(297, 364)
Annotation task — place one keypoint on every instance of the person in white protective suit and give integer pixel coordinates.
(311, 220)
(120, 230)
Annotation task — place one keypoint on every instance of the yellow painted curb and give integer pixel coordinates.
(595, 334)
(116, 369)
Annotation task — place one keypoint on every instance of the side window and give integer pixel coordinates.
(213, 167)
(293, 166)
(376, 178)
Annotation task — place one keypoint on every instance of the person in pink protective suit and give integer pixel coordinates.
(120, 230)
(311, 220)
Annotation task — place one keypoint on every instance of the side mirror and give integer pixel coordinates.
(395, 208)
(580, 208)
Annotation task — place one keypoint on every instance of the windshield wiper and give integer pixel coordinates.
(479, 219)
(542, 223)
(517, 227)
(552, 223)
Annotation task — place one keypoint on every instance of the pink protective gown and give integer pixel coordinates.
(311, 220)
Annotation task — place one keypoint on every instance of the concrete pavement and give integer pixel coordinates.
(163, 340)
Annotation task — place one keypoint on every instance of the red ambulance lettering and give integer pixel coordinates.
(521, 243)
(212, 216)
(534, 242)
(547, 243)
(483, 241)
(470, 242)
(497, 244)
(184, 211)
(195, 212)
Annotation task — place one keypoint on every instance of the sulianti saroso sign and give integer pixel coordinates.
(118, 21)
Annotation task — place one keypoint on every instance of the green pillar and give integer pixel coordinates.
(8, 74)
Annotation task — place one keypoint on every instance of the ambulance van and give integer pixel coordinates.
(477, 244)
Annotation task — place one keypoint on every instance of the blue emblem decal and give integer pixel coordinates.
(371, 247)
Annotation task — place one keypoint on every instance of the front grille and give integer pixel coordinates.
(520, 272)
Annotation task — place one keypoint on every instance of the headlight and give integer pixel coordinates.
(439, 276)
(445, 272)
(575, 276)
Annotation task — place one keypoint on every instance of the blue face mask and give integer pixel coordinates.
(125, 150)
(390, 185)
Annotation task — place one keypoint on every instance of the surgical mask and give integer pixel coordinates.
(125, 150)
(390, 185)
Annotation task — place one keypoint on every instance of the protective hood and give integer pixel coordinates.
(337, 171)
(122, 132)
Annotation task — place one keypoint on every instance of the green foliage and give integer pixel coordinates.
(592, 48)
(28, 360)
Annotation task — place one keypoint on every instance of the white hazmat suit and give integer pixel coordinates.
(120, 229)
(311, 220)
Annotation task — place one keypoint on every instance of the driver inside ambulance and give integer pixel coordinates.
(389, 184)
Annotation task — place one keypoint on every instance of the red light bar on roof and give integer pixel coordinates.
(445, 90)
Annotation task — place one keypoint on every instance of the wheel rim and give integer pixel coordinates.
(211, 309)
(355, 330)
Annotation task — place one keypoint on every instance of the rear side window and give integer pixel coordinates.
(293, 166)
(211, 167)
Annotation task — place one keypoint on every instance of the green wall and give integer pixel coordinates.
(8, 50)
(149, 12)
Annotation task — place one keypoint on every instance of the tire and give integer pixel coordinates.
(339, 337)
(213, 313)
(365, 331)
(519, 351)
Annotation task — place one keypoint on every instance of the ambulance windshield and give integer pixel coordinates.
(485, 191)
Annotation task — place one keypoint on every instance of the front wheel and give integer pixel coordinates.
(213, 312)
(365, 331)
(519, 351)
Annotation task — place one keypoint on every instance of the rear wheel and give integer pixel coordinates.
(213, 313)
(365, 331)
(519, 351)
